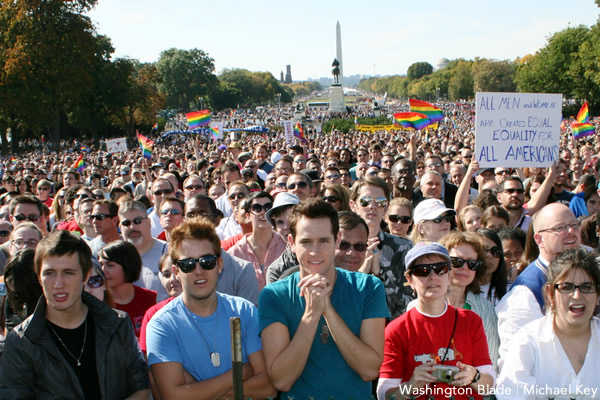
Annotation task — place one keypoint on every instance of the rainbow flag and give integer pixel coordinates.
(13, 160)
(82, 148)
(431, 111)
(413, 120)
(583, 115)
(154, 127)
(356, 121)
(197, 119)
(299, 132)
(79, 165)
(146, 144)
(582, 130)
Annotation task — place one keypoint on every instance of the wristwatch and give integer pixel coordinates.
(477, 376)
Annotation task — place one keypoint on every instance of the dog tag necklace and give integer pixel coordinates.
(215, 357)
(78, 359)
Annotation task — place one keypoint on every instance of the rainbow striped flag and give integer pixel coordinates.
(299, 132)
(13, 160)
(431, 111)
(412, 120)
(582, 130)
(356, 121)
(154, 127)
(583, 115)
(79, 165)
(146, 144)
(197, 119)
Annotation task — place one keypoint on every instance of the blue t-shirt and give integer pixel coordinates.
(355, 297)
(172, 336)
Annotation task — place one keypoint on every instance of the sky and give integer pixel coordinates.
(383, 37)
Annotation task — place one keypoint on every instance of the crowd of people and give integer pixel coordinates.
(383, 264)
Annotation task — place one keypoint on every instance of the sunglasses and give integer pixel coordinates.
(512, 191)
(101, 217)
(95, 282)
(473, 265)
(494, 251)
(257, 208)
(194, 187)
(447, 218)
(423, 270)
(332, 177)
(163, 192)
(405, 219)
(82, 196)
(503, 172)
(4, 233)
(360, 247)
(281, 185)
(30, 217)
(301, 185)
(366, 201)
(136, 221)
(43, 189)
(172, 211)
(331, 199)
(206, 262)
(585, 287)
(194, 214)
(233, 196)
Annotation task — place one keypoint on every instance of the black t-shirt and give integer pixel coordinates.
(73, 340)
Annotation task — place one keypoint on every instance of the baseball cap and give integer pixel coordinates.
(282, 199)
(312, 174)
(423, 249)
(429, 209)
(125, 170)
(482, 170)
(235, 145)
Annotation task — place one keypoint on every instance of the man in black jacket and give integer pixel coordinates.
(73, 346)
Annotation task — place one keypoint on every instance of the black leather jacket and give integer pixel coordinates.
(32, 367)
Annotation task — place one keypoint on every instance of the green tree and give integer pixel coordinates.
(419, 69)
(494, 76)
(461, 83)
(185, 77)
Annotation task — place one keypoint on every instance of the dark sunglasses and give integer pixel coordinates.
(405, 219)
(95, 281)
(281, 185)
(447, 218)
(163, 192)
(172, 211)
(101, 217)
(331, 199)
(136, 221)
(473, 265)
(423, 270)
(494, 251)
(503, 171)
(30, 217)
(188, 265)
(4, 233)
(366, 201)
(585, 287)
(233, 196)
(257, 208)
(301, 185)
(360, 247)
(82, 195)
(194, 187)
(511, 191)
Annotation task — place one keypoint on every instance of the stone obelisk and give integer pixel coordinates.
(336, 90)
(338, 50)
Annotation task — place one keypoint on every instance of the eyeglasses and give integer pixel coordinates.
(43, 189)
(360, 247)
(468, 156)
(30, 217)
(512, 191)
(332, 177)
(194, 214)
(240, 195)
(366, 201)
(447, 218)
(404, 171)
(473, 265)
(345, 175)
(95, 282)
(503, 172)
(405, 219)
(568, 287)
(20, 243)
(284, 170)
(331, 199)
(423, 270)
(213, 162)
(494, 251)
(434, 165)
(101, 217)
(257, 208)
(163, 192)
(561, 228)
(281, 185)
(194, 187)
(300, 161)
(301, 185)
(207, 262)
(4, 233)
(172, 211)
(82, 195)
(135, 221)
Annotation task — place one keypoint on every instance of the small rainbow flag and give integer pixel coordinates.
(583, 115)
(582, 130)
(82, 148)
(431, 111)
(214, 131)
(356, 121)
(413, 120)
(299, 132)
(197, 119)
(79, 165)
(154, 127)
(146, 144)
(13, 160)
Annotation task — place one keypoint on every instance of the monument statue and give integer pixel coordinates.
(336, 71)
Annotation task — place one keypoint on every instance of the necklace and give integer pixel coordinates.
(78, 359)
(215, 357)
(324, 331)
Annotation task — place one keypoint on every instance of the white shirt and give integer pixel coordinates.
(537, 366)
(155, 223)
(222, 204)
(228, 227)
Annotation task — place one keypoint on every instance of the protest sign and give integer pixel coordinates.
(517, 129)
(116, 145)
(289, 132)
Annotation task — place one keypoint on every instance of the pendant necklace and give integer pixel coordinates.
(324, 331)
(78, 359)
(215, 357)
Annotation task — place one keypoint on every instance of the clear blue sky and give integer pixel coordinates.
(383, 36)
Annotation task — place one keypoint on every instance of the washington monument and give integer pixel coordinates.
(338, 50)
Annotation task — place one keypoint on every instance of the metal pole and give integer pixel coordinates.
(236, 358)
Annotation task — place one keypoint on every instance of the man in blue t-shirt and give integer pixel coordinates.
(322, 328)
(189, 348)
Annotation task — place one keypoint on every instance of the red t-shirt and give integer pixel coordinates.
(148, 316)
(228, 243)
(414, 339)
(143, 299)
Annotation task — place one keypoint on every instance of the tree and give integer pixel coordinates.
(461, 83)
(494, 76)
(186, 76)
(419, 69)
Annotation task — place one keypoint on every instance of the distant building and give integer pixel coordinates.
(288, 74)
(281, 79)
